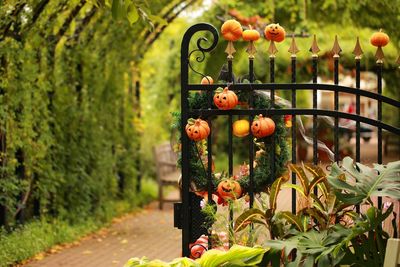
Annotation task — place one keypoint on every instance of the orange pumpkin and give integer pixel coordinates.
(241, 128)
(379, 39)
(262, 127)
(251, 35)
(207, 80)
(229, 189)
(197, 129)
(274, 32)
(225, 99)
(231, 30)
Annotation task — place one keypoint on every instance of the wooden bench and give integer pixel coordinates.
(167, 171)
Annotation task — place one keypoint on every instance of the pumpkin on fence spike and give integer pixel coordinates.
(225, 99)
(207, 80)
(379, 39)
(250, 34)
(229, 189)
(274, 32)
(241, 128)
(197, 129)
(262, 126)
(231, 30)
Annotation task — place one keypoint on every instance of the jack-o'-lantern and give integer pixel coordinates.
(225, 99)
(207, 80)
(229, 189)
(262, 126)
(197, 129)
(274, 32)
(241, 128)
(231, 30)
(379, 39)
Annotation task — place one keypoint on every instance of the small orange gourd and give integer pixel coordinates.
(197, 129)
(250, 34)
(225, 99)
(274, 32)
(379, 39)
(231, 30)
(207, 80)
(262, 127)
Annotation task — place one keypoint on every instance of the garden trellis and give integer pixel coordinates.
(187, 213)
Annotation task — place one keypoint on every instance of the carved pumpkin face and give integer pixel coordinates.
(207, 80)
(197, 129)
(225, 99)
(274, 32)
(251, 35)
(379, 39)
(262, 127)
(231, 30)
(229, 189)
(241, 128)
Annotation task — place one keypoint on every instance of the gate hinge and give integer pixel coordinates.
(178, 218)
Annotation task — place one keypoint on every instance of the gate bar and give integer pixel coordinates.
(379, 74)
(251, 143)
(294, 135)
(272, 97)
(299, 86)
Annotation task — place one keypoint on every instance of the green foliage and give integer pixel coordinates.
(67, 110)
(326, 231)
(360, 182)
(28, 240)
(237, 256)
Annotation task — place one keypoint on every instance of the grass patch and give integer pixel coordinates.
(28, 240)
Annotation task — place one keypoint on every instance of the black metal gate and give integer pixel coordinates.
(187, 214)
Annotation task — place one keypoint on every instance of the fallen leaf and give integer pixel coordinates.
(86, 252)
(39, 257)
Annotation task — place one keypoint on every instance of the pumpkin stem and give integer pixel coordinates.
(225, 89)
(198, 122)
(250, 28)
(219, 90)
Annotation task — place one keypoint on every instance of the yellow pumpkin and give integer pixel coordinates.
(241, 128)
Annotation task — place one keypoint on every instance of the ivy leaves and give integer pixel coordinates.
(132, 10)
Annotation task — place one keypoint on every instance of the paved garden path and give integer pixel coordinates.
(147, 233)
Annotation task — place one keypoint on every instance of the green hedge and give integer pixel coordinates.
(68, 143)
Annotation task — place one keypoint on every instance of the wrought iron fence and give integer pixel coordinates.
(187, 213)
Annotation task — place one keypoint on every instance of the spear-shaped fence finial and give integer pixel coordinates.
(358, 50)
(314, 47)
(293, 49)
(230, 50)
(336, 48)
(272, 50)
(379, 55)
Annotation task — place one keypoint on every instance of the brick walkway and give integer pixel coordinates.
(147, 233)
